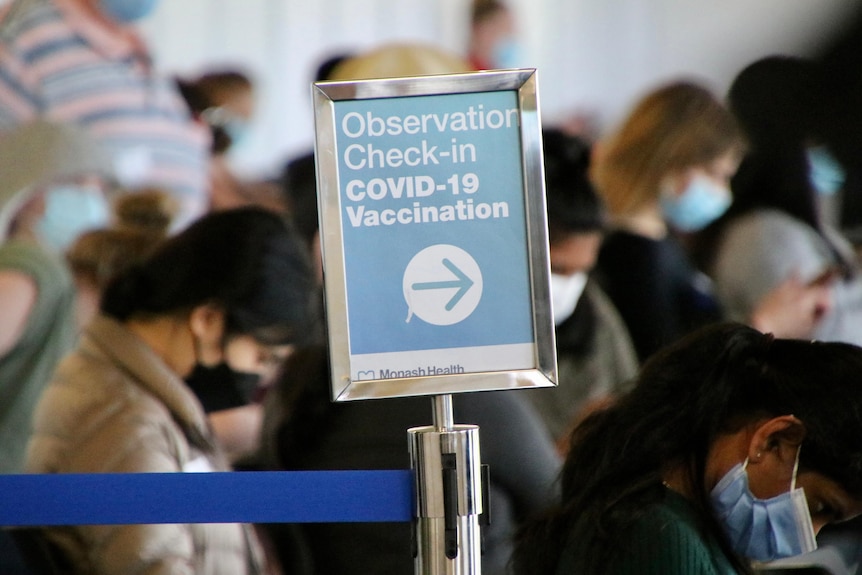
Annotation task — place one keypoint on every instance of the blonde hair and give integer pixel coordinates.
(149, 209)
(398, 60)
(98, 255)
(677, 126)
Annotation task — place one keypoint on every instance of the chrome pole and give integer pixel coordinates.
(446, 462)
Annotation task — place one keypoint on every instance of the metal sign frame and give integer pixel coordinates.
(326, 97)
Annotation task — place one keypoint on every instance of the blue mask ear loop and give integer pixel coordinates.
(795, 468)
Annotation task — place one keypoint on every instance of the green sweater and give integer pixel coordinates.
(666, 540)
(48, 335)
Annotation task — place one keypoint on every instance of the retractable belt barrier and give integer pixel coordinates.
(223, 497)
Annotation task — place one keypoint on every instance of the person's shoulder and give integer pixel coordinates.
(605, 310)
(30, 259)
(630, 246)
(88, 379)
(663, 537)
(621, 238)
(767, 229)
(18, 297)
(668, 517)
(668, 536)
(611, 333)
(622, 252)
(760, 219)
(17, 283)
(91, 397)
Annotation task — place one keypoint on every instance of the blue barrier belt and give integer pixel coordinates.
(224, 497)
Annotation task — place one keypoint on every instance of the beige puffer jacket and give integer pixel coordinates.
(114, 407)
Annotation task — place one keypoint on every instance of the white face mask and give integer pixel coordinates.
(565, 293)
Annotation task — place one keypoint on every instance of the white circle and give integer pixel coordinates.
(442, 285)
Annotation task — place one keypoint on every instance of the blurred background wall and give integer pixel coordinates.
(595, 57)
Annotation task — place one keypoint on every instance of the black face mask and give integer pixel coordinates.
(221, 387)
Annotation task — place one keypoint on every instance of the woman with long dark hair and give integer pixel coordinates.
(733, 446)
(231, 291)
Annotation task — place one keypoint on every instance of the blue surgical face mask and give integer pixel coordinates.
(702, 202)
(127, 11)
(506, 54)
(824, 172)
(71, 210)
(763, 529)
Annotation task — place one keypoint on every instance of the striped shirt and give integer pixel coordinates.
(60, 62)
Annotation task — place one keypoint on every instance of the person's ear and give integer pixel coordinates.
(777, 439)
(772, 452)
(207, 322)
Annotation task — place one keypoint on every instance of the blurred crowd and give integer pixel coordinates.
(161, 313)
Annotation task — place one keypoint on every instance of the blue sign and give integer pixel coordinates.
(434, 239)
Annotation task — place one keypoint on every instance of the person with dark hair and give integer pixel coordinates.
(305, 430)
(595, 355)
(230, 289)
(298, 179)
(733, 447)
(299, 183)
(223, 100)
(840, 55)
(324, 69)
(775, 229)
